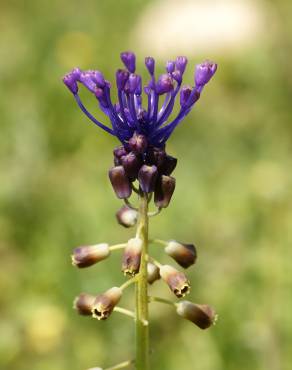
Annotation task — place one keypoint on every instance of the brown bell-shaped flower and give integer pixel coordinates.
(147, 178)
(152, 273)
(89, 255)
(176, 280)
(127, 216)
(83, 304)
(168, 165)
(200, 314)
(164, 189)
(120, 182)
(184, 254)
(105, 303)
(132, 256)
(138, 143)
(131, 163)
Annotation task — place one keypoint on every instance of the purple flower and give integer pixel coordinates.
(129, 117)
(204, 72)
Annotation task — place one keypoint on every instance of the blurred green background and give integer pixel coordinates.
(233, 195)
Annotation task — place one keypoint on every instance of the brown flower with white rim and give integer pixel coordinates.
(176, 280)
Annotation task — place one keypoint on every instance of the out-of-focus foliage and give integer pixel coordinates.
(233, 197)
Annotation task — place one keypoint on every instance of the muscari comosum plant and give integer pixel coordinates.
(141, 166)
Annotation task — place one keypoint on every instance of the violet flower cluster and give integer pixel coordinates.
(142, 131)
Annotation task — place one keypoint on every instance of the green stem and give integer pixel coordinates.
(142, 331)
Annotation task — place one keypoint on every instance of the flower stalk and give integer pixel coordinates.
(142, 330)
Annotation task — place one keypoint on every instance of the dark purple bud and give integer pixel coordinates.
(168, 165)
(70, 80)
(89, 255)
(129, 60)
(156, 156)
(177, 76)
(150, 64)
(105, 303)
(83, 304)
(152, 273)
(134, 84)
(201, 315)
(121, 78)
(147, 178)
(170, 66)
(120, 182)
(184, 254)
(132, 257)
(126, 216)
(164, 189)
(204, 72)
(181, 63)
(164, 84)
(119, 151)
(131, 163)
(138, 143)
(185, 93)
(176, 280)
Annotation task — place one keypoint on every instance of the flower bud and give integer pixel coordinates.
(164, 84)
(105, 303)
(170, 65)
(127, 216)
(200, 314)
(131, 163)
(129, 60)
(122, 77)
(152, 273)
(176, 280)
(181, 63)
(135, 84)
(163, 192)
(70, 80)
(168, 165)
(177, 76)
(147, 178)
(83, 304)
(150, 64)
(132, 256)
(185, 93)
(89, 255)
(119, 151)
(184, 254)
(138, 143)
(204, 72)
(120, 182)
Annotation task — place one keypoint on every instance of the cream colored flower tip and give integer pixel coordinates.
(95, 368)
(135, 244)
(152, 273)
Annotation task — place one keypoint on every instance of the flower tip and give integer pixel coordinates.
(150, 64)
(129, 60)
(204, 72)
(70, 80)
(181, 63)
(164, 84)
